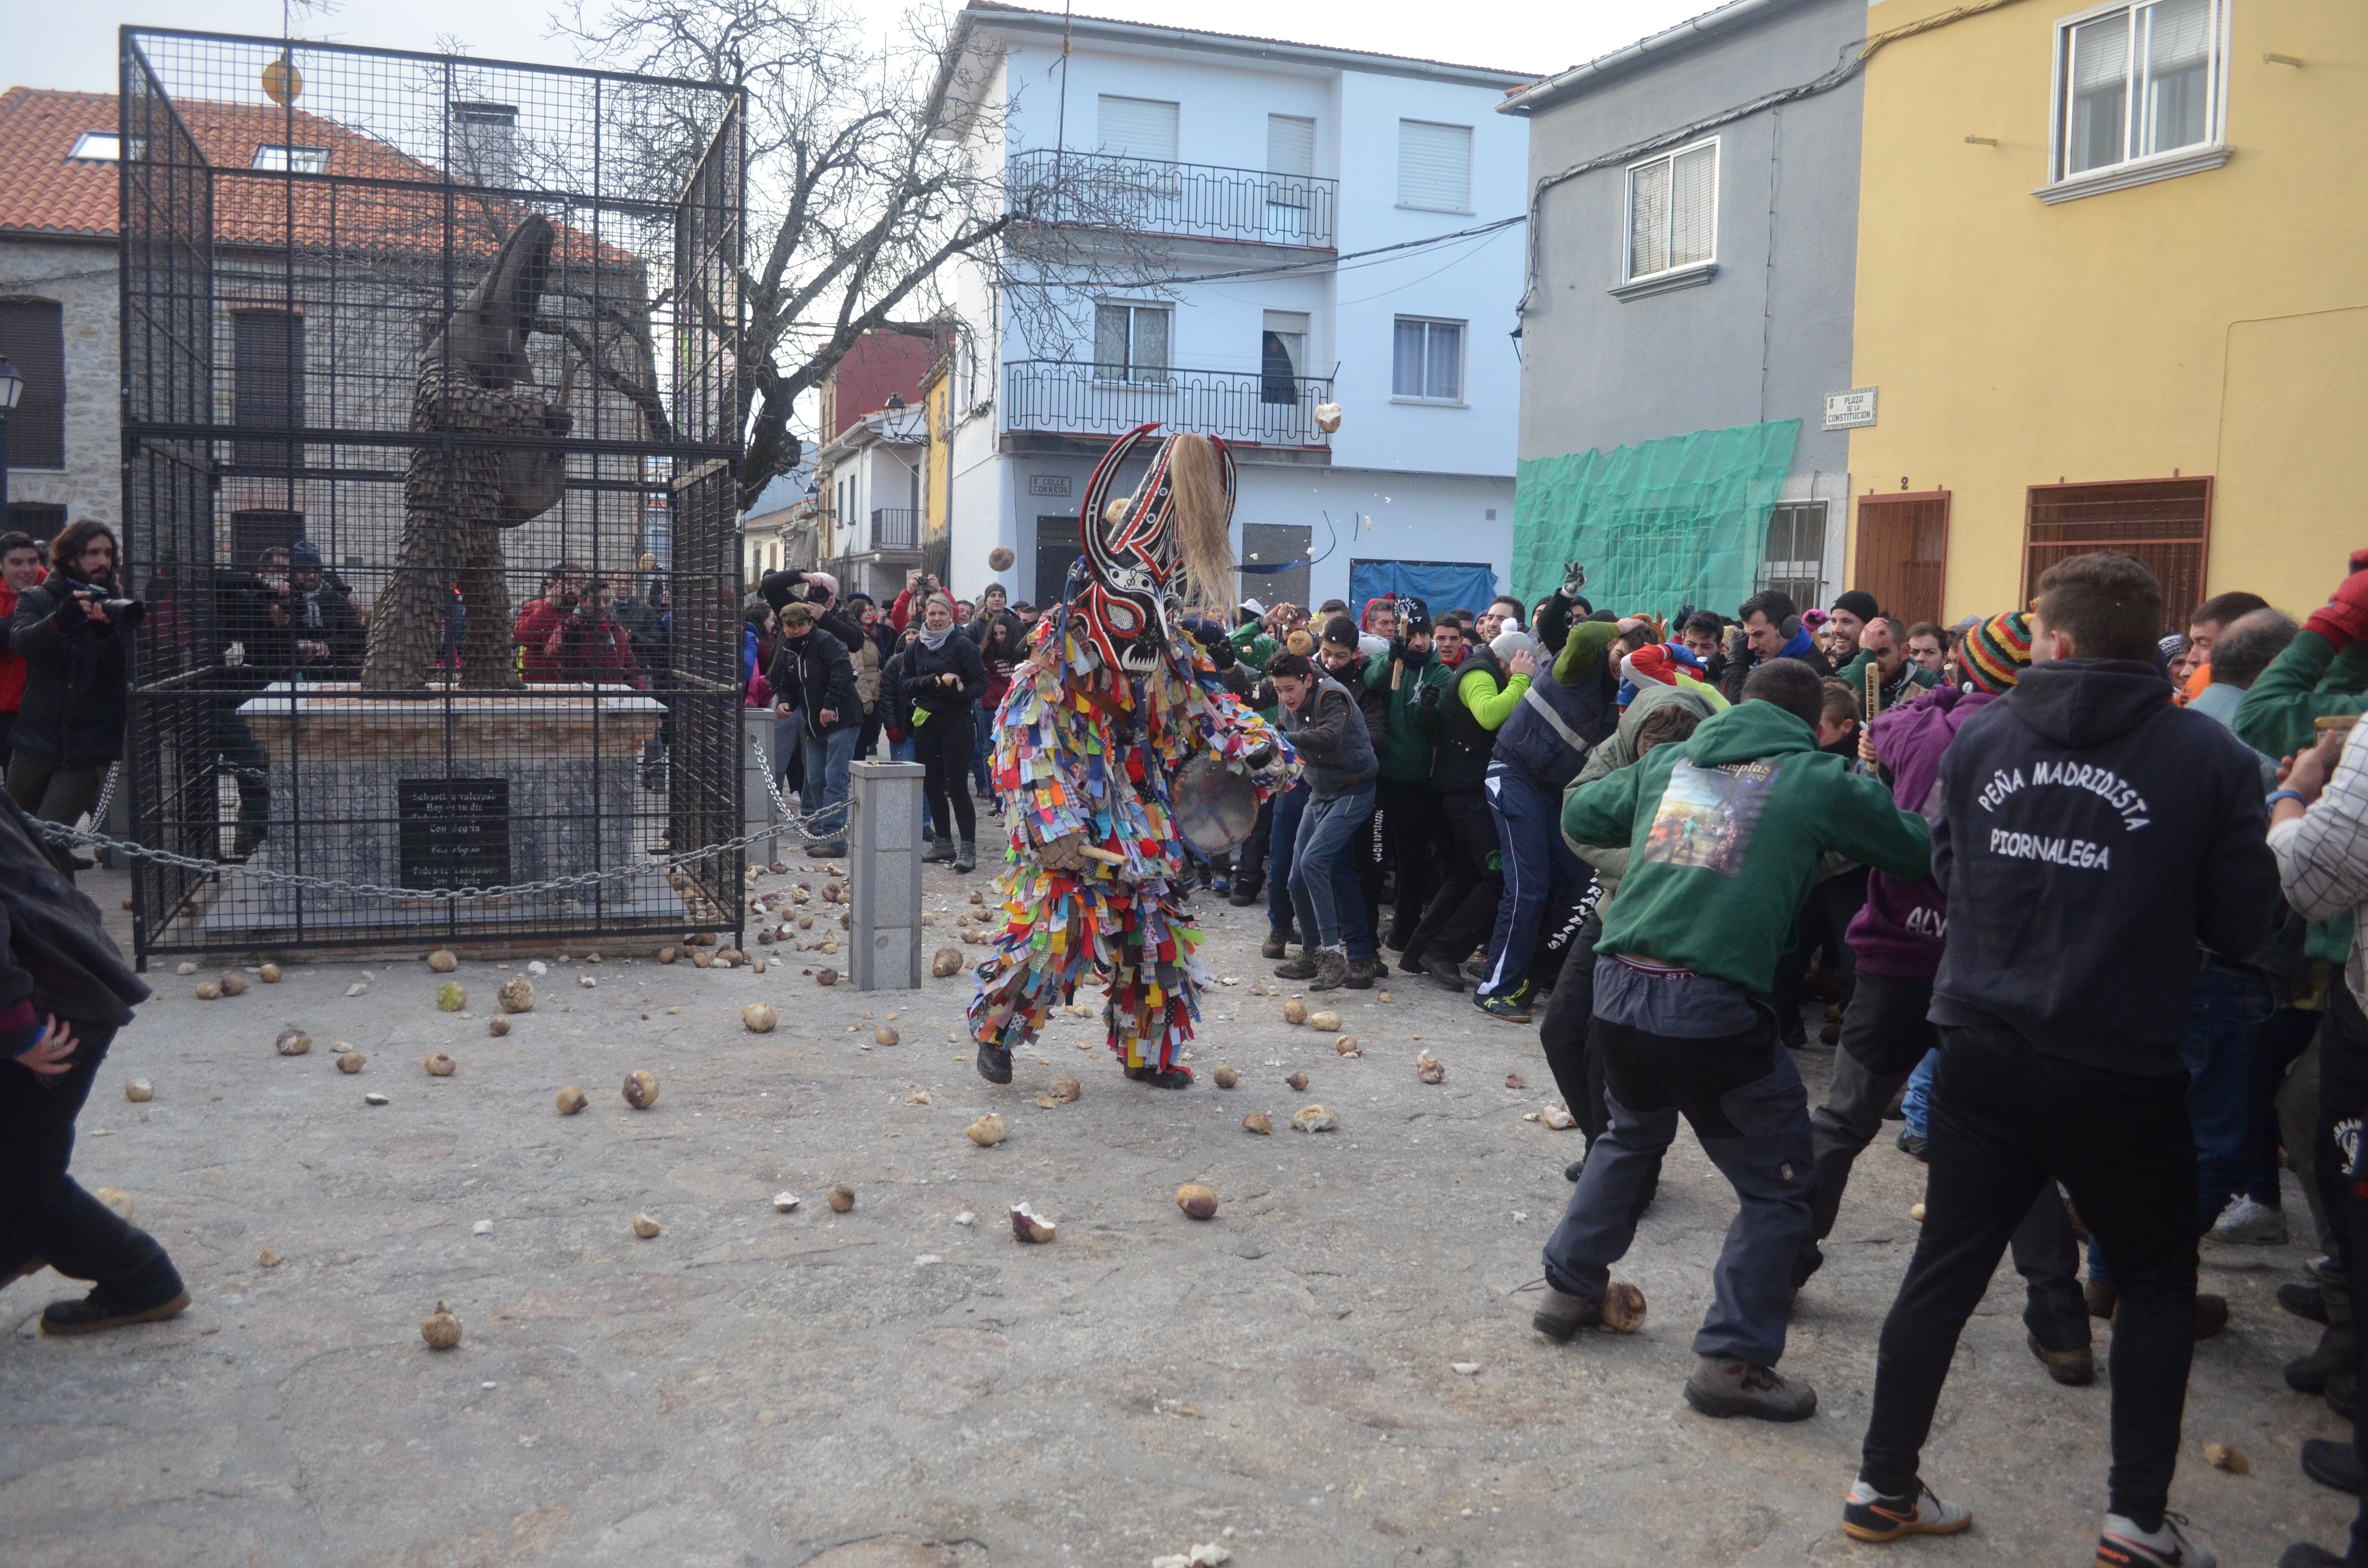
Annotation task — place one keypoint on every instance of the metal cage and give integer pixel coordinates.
(445, 323)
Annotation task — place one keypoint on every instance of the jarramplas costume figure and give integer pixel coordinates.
(1114, 709)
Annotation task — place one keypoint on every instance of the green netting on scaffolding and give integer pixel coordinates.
(1659, 525)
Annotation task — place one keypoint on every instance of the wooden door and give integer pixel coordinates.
(1903, 552)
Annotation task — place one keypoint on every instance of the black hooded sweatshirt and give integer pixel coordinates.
(2092, 835)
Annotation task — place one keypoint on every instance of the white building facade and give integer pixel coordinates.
(1287, 168)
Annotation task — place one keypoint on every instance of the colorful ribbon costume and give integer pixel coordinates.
(1113, 701)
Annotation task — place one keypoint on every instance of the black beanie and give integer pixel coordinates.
(1859, 602)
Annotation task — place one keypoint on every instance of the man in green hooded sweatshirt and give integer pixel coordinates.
(1725, 831)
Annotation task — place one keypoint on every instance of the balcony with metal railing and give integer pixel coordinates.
(1145, 196)
(895, 528)
(1066, 397)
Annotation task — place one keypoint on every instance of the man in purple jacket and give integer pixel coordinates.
(1896, 938)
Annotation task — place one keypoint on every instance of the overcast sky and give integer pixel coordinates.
(57, 45)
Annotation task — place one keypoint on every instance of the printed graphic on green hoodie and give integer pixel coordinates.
(1707, 815)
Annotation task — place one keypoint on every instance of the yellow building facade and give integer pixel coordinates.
(2112, 291)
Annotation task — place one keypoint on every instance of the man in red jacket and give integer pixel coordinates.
(539, 621)
(20, 568)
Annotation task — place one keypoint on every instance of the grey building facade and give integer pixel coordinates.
(1693, 264)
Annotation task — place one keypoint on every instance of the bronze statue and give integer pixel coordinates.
(474, 382)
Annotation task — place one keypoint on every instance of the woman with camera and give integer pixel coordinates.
(74, 631)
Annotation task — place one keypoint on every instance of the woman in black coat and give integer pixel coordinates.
(943, 677)
(78, 668)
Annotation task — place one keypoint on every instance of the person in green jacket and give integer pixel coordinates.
(1883, 643)
(1403, 720)
(1725, 831)
(1467, 715)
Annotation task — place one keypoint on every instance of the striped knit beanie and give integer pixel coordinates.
(1995, 652)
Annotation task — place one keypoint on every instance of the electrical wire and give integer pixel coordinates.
(1335, 264)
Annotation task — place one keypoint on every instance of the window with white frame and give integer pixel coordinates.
(1673, 211)
(300, 160)
(1130, 341)
(1427, 361)
(1434, 166)
(2136, 81)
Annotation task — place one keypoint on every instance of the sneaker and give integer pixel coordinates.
(2304, 1301)
(1303, 967)
(1447, 976)
(1915, 1146)
(1868, 1515)
(1562, 1314)
(1722, 1386)
(827, 851)
(2332, 1354)
(1277, 943)
(2073, 1369)
(2323, 1268)
(1331, 971)
(994, 1062)
(1513, 1006)
(1360, 974)
(1246, 887)
(1576, 1170)
(2246, 1222)
(2331, 1463)
(95, 1312)
(2124, 1545)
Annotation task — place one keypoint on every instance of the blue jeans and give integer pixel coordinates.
(1282, 836)
(982, 750)
(1324, 873)
(900, 749)
(1917, 1106)
(1746, 1101)
(824, 799)
(2230, 1008)
(788, 752)
(1542, 875)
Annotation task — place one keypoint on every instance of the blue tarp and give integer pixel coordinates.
(1441, 585)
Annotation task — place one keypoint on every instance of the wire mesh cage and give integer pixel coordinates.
(429, 436)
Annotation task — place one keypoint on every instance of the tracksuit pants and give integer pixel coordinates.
(1542, 875)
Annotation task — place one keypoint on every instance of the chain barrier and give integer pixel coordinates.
(68, 835)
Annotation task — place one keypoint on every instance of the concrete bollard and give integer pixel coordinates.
(884, 849)
(756, 810)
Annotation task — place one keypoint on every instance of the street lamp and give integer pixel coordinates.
(12, 387)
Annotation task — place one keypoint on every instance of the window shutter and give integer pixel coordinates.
(1693, 205)
(1137, 127)
(33, 335)
(2179, 34)
(2100, 53)
(1290, 144)
(267, 384)
(1434, 165)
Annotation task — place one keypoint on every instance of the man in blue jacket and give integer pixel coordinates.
(2091, 835)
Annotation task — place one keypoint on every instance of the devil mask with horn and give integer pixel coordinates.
(1141, 554)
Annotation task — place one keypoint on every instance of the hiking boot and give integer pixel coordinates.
(1331, 971)
(2101, 1297)
(2308, 1374)
(1277, 943)
(1303, 967)
(1446, 975)
(1513, 1007)
(1360, 974)
(2331, 1463)
(1722, 1386)
(99, 1311)
(1562, 1314)
(2247, 1223)
(1246, 887)
(2124, 1545)
(1915, 1146)
(966, 857)
(2073, 1369)
(994, 1062)
(1161, 1078)
(1868, 1515)
(2304, 1301)
(942, 852)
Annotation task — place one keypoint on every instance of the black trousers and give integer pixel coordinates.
(48, 1215)
(1464, 911)
(1413, 834)
(2006, 1119)
(943, 747)
(1571, 1057)
(2343, 1108)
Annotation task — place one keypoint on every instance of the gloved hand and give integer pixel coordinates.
(2343, 619)
(1574, 579)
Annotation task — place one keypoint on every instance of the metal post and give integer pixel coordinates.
(756, 810)
(884, 865)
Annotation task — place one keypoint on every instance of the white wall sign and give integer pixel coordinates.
(1849, 410)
